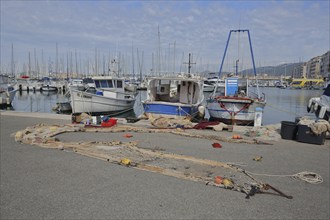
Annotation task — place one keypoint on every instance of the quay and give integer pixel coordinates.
(38, 183)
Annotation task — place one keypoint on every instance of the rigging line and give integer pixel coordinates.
(199, 51)
(279, 109)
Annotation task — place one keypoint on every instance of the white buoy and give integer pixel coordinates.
(258, 117)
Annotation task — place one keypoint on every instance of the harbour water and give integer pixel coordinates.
(282, 104)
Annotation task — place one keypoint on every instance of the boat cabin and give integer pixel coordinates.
(233, 86)
(111, 87)
(179, 90)
(108, 83)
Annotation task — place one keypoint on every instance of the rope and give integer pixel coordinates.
(121, 112)
(279, 109)
(306, 176)
(233, 113)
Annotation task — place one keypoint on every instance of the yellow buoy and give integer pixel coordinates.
(227, 182)
(125, 161)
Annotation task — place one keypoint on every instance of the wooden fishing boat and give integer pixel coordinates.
(174, 97)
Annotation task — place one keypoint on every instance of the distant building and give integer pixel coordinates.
(325, 65)
(317, 67)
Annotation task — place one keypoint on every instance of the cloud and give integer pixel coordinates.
(280, 30)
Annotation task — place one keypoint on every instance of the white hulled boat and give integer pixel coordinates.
(48, 85)
(109, 97)
(321, 105)
(7, 91)
(237, 105)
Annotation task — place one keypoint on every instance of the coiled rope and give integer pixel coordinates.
(309, 177)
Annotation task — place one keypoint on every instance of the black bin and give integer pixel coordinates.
(288, 130)
(306, 135)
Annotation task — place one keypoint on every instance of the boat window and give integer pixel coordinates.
(119, 84)
(104, 84)
(87, 80)
(110, 83)
(97, 83)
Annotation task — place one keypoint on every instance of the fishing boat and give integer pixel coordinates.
(321, 105)
(237, 105)
(48, 85)
(174, 97)
(7, 91)
(210, 85)
(77, 84)
(108, 97)
(130, 85)
(62, 107)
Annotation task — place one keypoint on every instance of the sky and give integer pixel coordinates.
(159, 35)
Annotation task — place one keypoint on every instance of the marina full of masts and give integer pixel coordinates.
(56, 78)
(60, 83)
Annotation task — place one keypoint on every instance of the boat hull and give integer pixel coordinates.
(98, 104)
(7, 97)
(234, 111)
(49, 88)
(169, 110)
(321, 105)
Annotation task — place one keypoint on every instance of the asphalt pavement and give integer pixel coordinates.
(40, 183)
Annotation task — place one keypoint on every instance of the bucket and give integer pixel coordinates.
(288, 130)
(111, 122)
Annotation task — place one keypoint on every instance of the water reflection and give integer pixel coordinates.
(38, 101)
(286, 104)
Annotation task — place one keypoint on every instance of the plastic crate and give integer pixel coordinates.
(306, 135)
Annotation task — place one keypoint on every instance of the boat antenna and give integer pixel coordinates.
(189, 63)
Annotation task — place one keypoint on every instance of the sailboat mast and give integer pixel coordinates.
(35, 62)
(67, 65)
(29, 73)
(159, 67)
(56, 64)
(12, 60)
